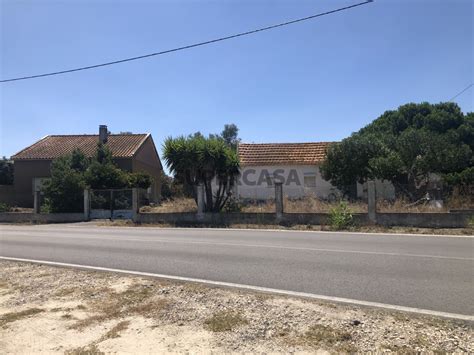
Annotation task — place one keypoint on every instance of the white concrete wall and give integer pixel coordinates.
(252, 184)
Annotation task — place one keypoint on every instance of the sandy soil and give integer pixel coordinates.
(47, 310)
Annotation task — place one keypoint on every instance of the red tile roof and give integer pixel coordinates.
(52, 147)
(282, 153)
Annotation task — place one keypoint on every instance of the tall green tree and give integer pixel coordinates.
(102, 173)
(198, 160)
(406, 146)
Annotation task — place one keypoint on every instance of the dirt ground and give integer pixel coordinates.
(52, 310)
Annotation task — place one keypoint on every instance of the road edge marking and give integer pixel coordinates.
(152, 227)
(254, 288)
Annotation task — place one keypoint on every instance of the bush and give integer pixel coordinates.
(232, 205)
(64, 191)
(340, 217)
(140, 179)
(4, 207)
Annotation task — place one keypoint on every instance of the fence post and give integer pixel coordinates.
(200, 200)
(37, 202)
(87, 205)
(135, 205)
(371, 201)
(279, 200)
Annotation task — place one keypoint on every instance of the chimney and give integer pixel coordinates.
(103, 133)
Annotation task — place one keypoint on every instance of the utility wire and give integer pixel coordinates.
(461, 92)
(189, 46)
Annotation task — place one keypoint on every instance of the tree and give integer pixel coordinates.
(230, 135)
(6, 171)
(405, 146)
(102, 172)
(140, 180)
(64, 191)
(198, 160)
(71, 174)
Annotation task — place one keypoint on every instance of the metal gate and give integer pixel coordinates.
(111, 204)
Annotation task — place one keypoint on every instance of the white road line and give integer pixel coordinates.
(255, 288)
(264, 246)
(87, 225)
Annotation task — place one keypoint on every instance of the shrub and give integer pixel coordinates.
(64, 191)
(140, 179)
(340, 217)
(4, 207)
(232, 205)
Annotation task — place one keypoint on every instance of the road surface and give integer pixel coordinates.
(431, 273)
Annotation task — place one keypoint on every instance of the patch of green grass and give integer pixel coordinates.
(14, 316)
(224, 321)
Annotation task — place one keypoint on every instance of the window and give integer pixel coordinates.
(310, 181)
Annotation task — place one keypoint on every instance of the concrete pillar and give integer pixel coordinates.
(200, 199)
(37, 202)
(87, 204)
(371, 201)
(279, 200)
(135, 204)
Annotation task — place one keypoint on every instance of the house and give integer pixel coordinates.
(296, 166)
(131, 152)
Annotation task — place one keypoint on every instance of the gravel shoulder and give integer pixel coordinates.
(46, 309)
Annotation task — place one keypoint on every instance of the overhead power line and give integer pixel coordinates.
(190, 45)
(462, 91)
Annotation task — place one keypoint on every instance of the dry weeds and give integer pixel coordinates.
(15, 316)
(224, 321)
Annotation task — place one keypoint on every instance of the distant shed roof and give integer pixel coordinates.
(252, 154)
(55, 146)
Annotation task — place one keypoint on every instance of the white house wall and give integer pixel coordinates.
(251, 183)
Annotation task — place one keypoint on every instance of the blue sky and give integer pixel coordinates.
(314, 81)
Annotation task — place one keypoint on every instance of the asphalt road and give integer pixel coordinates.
(433, 273)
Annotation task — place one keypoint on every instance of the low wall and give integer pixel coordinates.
(425, 220)
(14, 217)
(240, 218)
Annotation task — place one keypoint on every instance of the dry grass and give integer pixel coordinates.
(115, 331)
(14, 316)
(311, 204)
(455, 201)
(302, 205)
(321, 336)
(85, 350)
(224, 321)
(182, 204)
(137, 300)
